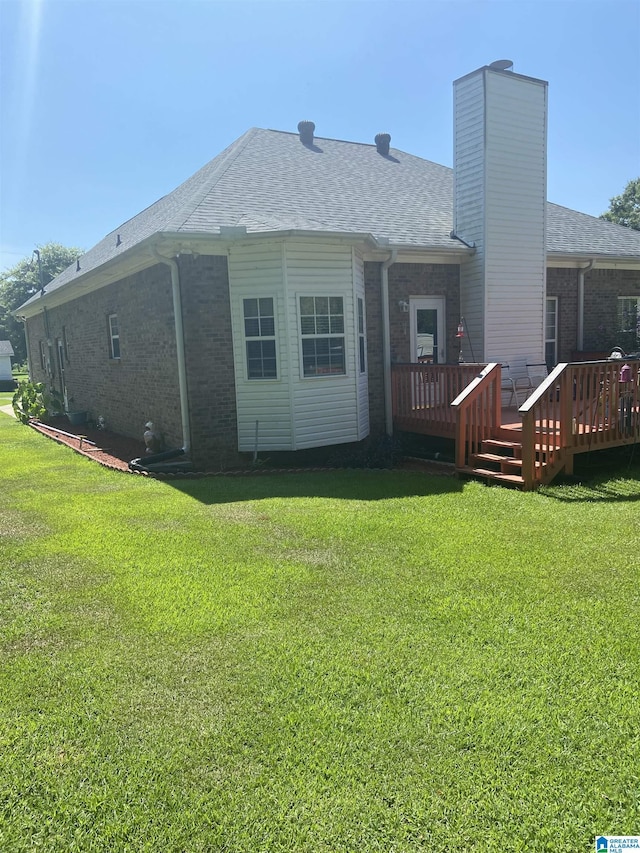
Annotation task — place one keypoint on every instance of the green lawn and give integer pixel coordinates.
(350, 661)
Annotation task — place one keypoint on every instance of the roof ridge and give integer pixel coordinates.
(226, 159)
(355, 142)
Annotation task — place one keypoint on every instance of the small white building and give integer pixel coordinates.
(6, 351)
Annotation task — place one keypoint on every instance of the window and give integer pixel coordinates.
(114, 336)
(43, 355)
(260, 338)
(627, 330)
(322, 333)
(551, 332)
(361, 338)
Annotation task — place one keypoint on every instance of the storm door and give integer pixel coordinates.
(428, 343)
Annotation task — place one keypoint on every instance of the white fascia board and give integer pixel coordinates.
(602, 262)
(132, 261)
(422, 255)
(206, 243)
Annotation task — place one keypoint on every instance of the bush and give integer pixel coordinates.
(28, 401)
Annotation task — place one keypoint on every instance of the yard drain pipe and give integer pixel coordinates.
(386, 341)
(581, 275)
(149, 462)
(179, 328)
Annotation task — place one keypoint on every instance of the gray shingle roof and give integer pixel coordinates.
(269, 181)
(6, 348)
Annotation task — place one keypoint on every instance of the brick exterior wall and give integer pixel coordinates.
(209, 360)
(405, 280)
(374, 347)
(126, 391)
(143, 384)
(601, 291)
(563, 283)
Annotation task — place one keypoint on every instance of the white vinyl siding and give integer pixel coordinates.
(293, 411)
(501, 125)
(469, 205)
(515, 265)
(255, 270)
(325, 410)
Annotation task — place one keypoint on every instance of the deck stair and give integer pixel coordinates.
(499, 459)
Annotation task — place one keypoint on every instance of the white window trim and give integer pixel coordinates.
(323, 376)
(362, 371)
(246, 338)
(553, 340)
(113, 338)
(635, 298)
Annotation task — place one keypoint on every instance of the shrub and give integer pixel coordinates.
(28, 401)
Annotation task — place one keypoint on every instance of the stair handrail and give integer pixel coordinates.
(558, 432)
(547, 383)
(491, 375)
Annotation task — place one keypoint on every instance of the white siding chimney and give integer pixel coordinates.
(500, 168)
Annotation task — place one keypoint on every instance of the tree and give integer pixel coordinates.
(21, 281)
(625, 209)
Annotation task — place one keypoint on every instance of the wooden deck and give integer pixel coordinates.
(580, 407)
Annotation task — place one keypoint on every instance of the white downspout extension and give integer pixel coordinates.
(581, 274)
(386, 341)
(179, 328)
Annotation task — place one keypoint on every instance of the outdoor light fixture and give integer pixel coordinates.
(403, 305)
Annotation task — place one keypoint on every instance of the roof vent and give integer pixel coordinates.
(305, 129)
(119, 240)
(382, 141)
(502, 65)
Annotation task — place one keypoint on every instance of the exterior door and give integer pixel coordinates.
(428, 342)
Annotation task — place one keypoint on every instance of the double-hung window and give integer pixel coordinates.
(627, 327)
(551, 332)
(260, 338)
(322, 335)
(362, 361)
(114, 337)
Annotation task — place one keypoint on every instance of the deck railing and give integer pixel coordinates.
(579, 407)
(477, 410)
(422, 396)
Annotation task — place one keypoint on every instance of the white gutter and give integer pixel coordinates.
(179, 328)
(581, 274)
(386, 341)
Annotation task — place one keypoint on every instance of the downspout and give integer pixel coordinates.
(179, 329)
(386, 341)
(581, 275)
(26, 340)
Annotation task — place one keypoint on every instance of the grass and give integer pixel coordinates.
(346, 661)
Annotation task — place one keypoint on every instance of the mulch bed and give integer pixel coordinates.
(108, 448)
(116, 451)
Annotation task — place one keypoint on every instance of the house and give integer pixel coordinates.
(6, 377)
(264, 303)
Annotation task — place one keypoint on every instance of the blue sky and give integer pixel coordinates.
(106, 105)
